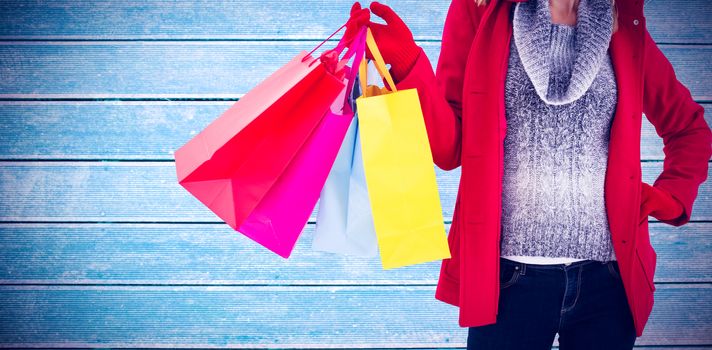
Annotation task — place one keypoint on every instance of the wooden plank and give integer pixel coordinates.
(273, 19)
(214, 254)
(259, 316)
(102, 129)
(202, 19)
(149, 192)
(108, 130)
(664, 24)
(116, 192)
(216, 69)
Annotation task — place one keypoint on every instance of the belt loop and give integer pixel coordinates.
(523, 268)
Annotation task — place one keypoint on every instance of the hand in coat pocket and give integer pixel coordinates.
(658, 203)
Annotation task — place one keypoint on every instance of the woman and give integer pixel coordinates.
(541, 104)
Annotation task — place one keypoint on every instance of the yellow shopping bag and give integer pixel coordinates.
(400, 175)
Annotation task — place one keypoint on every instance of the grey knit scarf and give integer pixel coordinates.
(531, 31)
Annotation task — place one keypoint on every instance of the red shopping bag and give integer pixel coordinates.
(280, 217)
(231, 165)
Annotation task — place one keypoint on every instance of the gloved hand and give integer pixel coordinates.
(659, 204)
(395, 41)
(359, 17)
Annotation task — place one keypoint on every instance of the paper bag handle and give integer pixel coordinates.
(379, 63)
(322, 43)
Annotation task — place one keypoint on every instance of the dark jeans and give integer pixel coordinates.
(584, 302)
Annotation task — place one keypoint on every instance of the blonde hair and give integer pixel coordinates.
(613, 2)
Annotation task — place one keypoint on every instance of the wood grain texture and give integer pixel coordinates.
(115, 192)
(303, 317)
(214, 254)
(137, 130)
(274, 19)
(149, 192)
(216, 69)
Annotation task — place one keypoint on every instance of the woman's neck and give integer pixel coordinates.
(563, 11)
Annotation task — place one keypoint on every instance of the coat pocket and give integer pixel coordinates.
(451, 266)
(647, 259)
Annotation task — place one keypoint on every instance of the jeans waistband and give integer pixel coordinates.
(549, 266)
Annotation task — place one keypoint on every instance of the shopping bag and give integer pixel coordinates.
(344, 224)
(234, 163)
(400, 174)
(284, 211)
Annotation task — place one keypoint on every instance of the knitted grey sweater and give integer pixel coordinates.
(560, 97)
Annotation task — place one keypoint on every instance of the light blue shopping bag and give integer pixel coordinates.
(344, 223)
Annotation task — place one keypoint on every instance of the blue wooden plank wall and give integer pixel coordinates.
(99, 246)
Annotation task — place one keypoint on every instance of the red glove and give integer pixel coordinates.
(395, 41)
(659, 204)
(358, 19)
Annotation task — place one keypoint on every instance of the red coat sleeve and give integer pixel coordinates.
(680, 122)
(441, 93)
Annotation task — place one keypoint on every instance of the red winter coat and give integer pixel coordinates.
(463, 107)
